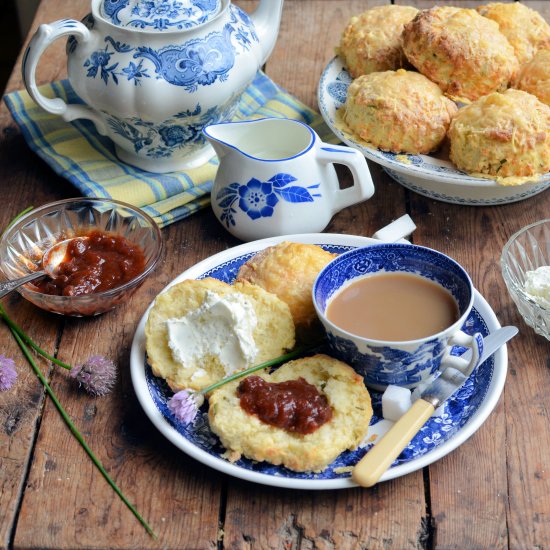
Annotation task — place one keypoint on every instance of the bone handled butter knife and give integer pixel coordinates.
(370, 468)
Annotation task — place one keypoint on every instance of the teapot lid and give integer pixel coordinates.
(159, 15)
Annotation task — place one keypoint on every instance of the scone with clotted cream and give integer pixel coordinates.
(200, 331)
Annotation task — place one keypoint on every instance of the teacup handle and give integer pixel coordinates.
(45, 35)
(362, 188)
(465, 365)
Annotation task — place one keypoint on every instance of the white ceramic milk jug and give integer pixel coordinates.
(153, 73)
(276, 177)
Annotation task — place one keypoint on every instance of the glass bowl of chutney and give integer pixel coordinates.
(123, 246)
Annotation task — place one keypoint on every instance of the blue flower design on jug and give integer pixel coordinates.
(258, 199)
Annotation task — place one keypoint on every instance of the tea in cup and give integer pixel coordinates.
(394, 311)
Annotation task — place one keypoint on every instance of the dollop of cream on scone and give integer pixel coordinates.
(199, 331)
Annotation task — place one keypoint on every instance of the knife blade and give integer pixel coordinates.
(370, 468)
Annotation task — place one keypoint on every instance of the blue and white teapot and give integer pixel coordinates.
(154, 73)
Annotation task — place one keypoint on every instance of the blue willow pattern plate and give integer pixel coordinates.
(463, 413)
(434, 177)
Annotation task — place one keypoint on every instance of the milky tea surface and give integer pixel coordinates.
(393, 307)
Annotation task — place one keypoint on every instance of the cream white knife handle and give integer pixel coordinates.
(370, 468)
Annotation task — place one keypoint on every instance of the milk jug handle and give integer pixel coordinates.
(45, 35)
(362, 188)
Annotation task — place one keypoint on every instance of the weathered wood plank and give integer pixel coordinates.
(393, 514)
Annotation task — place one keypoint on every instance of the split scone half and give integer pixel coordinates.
(244, 434)
(200, 331)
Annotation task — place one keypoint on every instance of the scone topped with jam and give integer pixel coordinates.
(200, 331)
(329, 412)
(371, 41)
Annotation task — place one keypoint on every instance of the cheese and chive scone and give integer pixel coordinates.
(504, 135)
(200, 331)
(371, 41)
(399, 111)
(461, 51)
(288, 270)
(525, 29)
(244, 434)
(534, 77)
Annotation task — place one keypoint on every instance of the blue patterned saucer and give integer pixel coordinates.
(433, 177)
(462, 415)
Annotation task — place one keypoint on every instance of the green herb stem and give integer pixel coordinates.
(27, 339)
(271, 363)
(76, 433)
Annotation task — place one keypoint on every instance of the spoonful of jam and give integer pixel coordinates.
(53, 257)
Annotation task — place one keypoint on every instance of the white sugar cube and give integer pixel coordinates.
(396, 401)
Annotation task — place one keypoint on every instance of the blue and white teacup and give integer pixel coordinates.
(403, 363)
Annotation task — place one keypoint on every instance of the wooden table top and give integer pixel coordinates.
(491, 492)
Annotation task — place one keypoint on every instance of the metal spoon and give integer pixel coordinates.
(51, 260)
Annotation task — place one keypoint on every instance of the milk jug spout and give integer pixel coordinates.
(225, 137)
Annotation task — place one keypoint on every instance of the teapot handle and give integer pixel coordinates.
(45, 35)
(362, 188)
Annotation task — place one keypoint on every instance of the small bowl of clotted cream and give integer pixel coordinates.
(525, 263)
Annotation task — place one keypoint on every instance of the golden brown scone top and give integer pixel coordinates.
(371, 40)
(460, 50)
(245, 434)
(399, 111)
(288, 270)
(505, 135)
(534, 77)
(525, 29)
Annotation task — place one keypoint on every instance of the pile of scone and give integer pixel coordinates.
(200, 331)
(411, 68)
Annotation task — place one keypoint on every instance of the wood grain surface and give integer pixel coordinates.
(491, 492)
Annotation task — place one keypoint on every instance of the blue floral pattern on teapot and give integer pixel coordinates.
(151, 92)
(160, 15)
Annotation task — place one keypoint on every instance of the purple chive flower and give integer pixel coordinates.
(97, 375)
(8, 374)
(185, 404)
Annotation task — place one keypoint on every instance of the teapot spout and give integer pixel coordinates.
(267, 19)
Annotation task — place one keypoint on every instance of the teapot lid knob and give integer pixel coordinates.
(159, 15)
